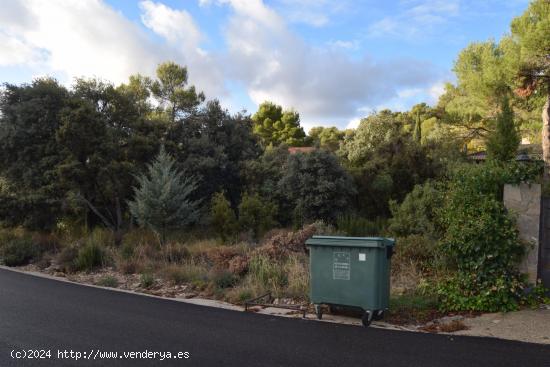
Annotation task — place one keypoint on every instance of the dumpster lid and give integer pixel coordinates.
(341, 241)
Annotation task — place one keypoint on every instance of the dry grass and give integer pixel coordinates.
(195, 274)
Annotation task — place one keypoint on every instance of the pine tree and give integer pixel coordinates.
(503, 143)
(162, 199)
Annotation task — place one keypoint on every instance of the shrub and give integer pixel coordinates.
(267, 273)
(316, 186)
(129, 266)
(108, 281)
(127, 250)
(420, 249)
(481, 240)
(297, 270)
(89, 257)
(256, 215)
(67, 258)
(223, 278)
(19, 251)
(223, 218)
(175, 252)
(146, 280)
(188, 273)
(417, 214)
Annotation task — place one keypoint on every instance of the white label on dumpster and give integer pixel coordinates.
(362, 257)
(341, 265)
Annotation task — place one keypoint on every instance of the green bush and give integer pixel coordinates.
(146, 280)
(223, 218)
(420, 249)
(223, 279)
(108, 281)
(89, 257)
(417, 214)
(481, 241)
(18, 251)
(188, 273)
(256, 215)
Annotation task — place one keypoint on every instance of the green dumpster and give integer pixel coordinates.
(352, 272)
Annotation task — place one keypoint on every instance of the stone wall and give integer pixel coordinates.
(524, 201)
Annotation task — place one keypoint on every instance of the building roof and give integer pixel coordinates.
(294, 150)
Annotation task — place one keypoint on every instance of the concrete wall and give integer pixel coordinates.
(524, 201)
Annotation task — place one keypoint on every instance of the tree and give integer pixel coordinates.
(162, 199)
(222, 217)
(419, 113)
(316, 186)
(175, 99)
(371, 132)
(214, 145)
(530, 33)
(104, 142)
(503, 142)
(275, 126)
(327, 137)
(256, 214)
(29, 154)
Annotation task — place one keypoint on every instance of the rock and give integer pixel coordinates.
(496, 321)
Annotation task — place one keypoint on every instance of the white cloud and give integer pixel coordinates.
(89, 38)
(324, 85)
(14, 51)
(416, 18)
(174, 25)
(436, 91)
(183, 37)
(269, 61)
(83, 38)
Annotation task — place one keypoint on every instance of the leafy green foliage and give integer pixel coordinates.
(29, 153)
(18, 251)
(481, 240)
(256, 214)
(503, 142)
(108, 281)
(530, 31)
(417, 214)
(316, 187)
(214, 146)
(146, 280)
(223, 217)
(176, 100)
(275, 126)
(327, 137)
(89, 257)
(162, 200)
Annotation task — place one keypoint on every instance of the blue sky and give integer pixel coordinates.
(333, 61)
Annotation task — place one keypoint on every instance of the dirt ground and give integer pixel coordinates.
(526, 325)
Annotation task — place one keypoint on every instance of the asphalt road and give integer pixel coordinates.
(43, 314)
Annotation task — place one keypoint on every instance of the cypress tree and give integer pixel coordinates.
(503, 142)
(162, 200)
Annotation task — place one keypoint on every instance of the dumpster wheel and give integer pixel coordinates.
(378, 315)
(318, 311)
(367, 318)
